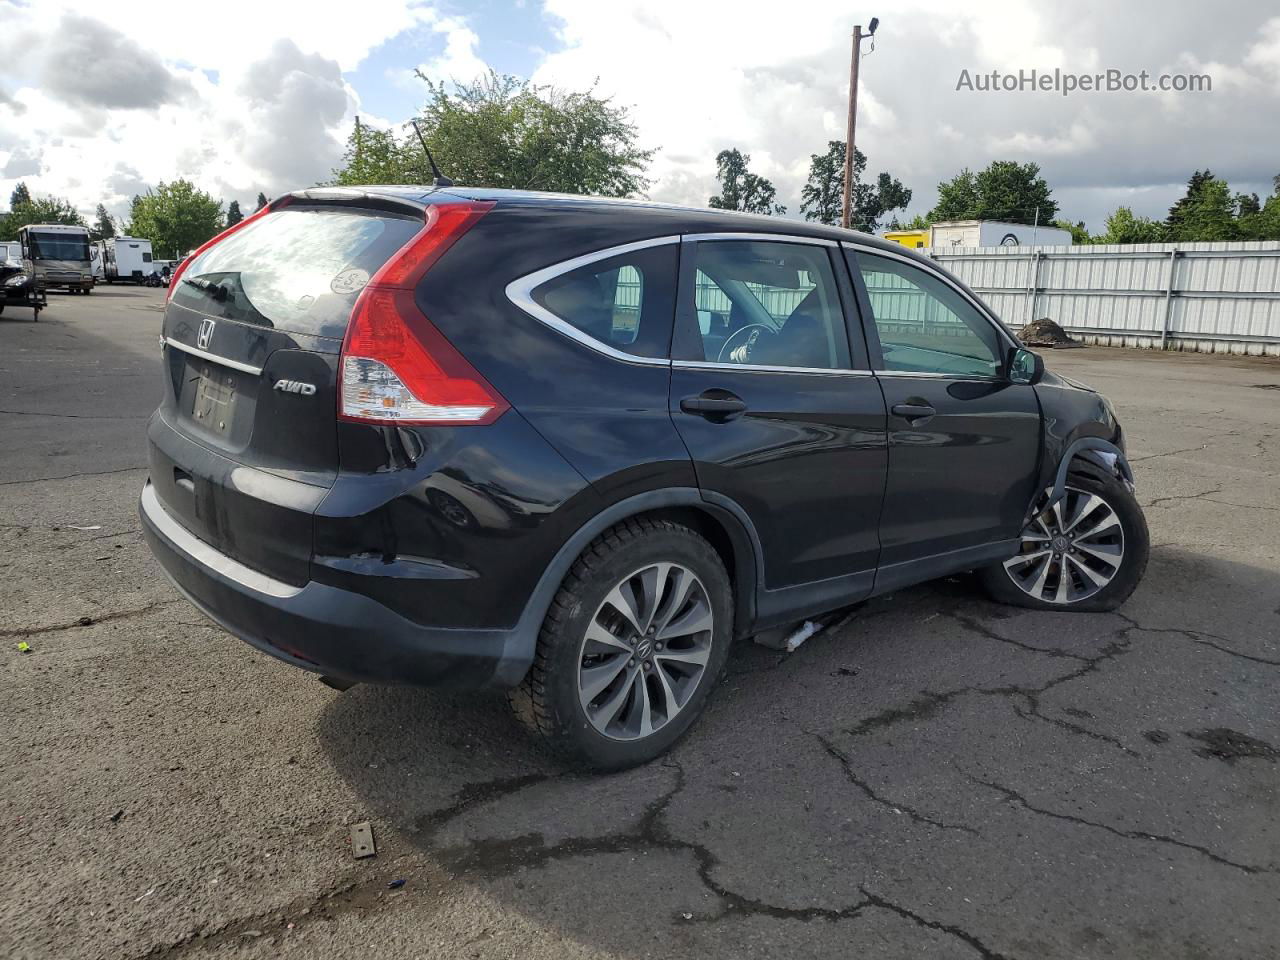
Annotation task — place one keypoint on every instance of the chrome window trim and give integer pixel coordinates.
(767, 237)
(205, 355)
(766, 368)
(520, 293)
(982, 310)
(917, 374)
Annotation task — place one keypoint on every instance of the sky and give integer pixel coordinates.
(98, 103)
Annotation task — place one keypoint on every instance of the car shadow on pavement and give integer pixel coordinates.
(944, 771)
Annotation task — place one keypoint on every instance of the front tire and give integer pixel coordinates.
(1087, 553)
(632, 647)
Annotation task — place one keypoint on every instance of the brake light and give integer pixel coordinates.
(182, 268)
(396, 367)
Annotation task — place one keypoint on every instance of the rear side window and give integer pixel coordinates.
(298, 269)
(625, 302)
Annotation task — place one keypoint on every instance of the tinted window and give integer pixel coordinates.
(924, 324)
(298, 269)
(625, 302)
(761, 303)
(146, 257)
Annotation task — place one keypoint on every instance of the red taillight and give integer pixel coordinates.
(177, 274)
(396, 367)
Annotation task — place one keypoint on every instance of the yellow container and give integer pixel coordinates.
(908, 238)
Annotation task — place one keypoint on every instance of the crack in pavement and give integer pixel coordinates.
(1211, 640)
(1186, 496)
(984, 951)
(72, 476)
(1170, 453)
(930, 702)
(494, 858)
(88, 621)
(898, 808)
(74, 416)
(1015, 797)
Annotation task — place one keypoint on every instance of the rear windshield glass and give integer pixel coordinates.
(299, 269)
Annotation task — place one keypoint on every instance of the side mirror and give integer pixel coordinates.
(1025, 366)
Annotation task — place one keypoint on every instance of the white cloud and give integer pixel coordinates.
(459, 61)
(96, 107)
(250, 96)
(773, 82)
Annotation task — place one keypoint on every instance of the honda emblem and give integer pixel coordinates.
(205, 334)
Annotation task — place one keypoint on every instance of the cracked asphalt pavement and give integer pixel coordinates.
(940, 777)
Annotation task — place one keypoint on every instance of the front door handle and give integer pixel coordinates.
(717, 409)
(914, 413)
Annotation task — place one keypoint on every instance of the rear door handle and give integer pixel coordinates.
(914, 413)
(715, 408)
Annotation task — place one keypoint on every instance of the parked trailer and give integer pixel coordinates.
(996, 233)
(126, 259)
(57, 255)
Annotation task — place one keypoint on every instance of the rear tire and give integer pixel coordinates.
(632, 647)
(1104, 553)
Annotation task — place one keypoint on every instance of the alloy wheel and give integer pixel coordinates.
(1069, 551)
(645, 651)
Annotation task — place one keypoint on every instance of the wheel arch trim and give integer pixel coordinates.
(730, 515)
(1082, 448)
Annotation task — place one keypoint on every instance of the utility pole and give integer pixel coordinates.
(846, 218)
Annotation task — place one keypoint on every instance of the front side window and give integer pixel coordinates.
(624, 302)
(924, 324)
(763, 303)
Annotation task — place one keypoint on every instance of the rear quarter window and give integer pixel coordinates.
(299, 269)
(624, 302)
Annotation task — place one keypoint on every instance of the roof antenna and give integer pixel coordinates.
(440, 180)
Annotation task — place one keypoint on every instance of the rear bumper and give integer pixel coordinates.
(323, 628)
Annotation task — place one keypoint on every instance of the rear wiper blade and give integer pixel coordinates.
(215, 290)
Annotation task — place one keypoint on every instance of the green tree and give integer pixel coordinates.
(374, 156)
(740, 189)
(1079, 232)
(104, 227)
(1263, 223)
(262, 202)
(500, 131)
(1006, 190)
(1195, 187)
(20, 197)
(176, 218)
(822, 197)
(234, 215)
(1124, 227)
(38, 210)
(1207, 212)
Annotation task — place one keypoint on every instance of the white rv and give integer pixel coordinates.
(995, 233)
(126, 259)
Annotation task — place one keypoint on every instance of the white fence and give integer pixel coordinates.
(1208, 297)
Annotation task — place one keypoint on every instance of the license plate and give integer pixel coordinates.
(215, 399)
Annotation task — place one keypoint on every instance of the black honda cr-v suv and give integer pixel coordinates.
(574, 447)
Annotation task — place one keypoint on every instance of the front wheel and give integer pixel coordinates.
(632, 647)
(1087, 552)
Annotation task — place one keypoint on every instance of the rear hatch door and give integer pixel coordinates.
(244, 446)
